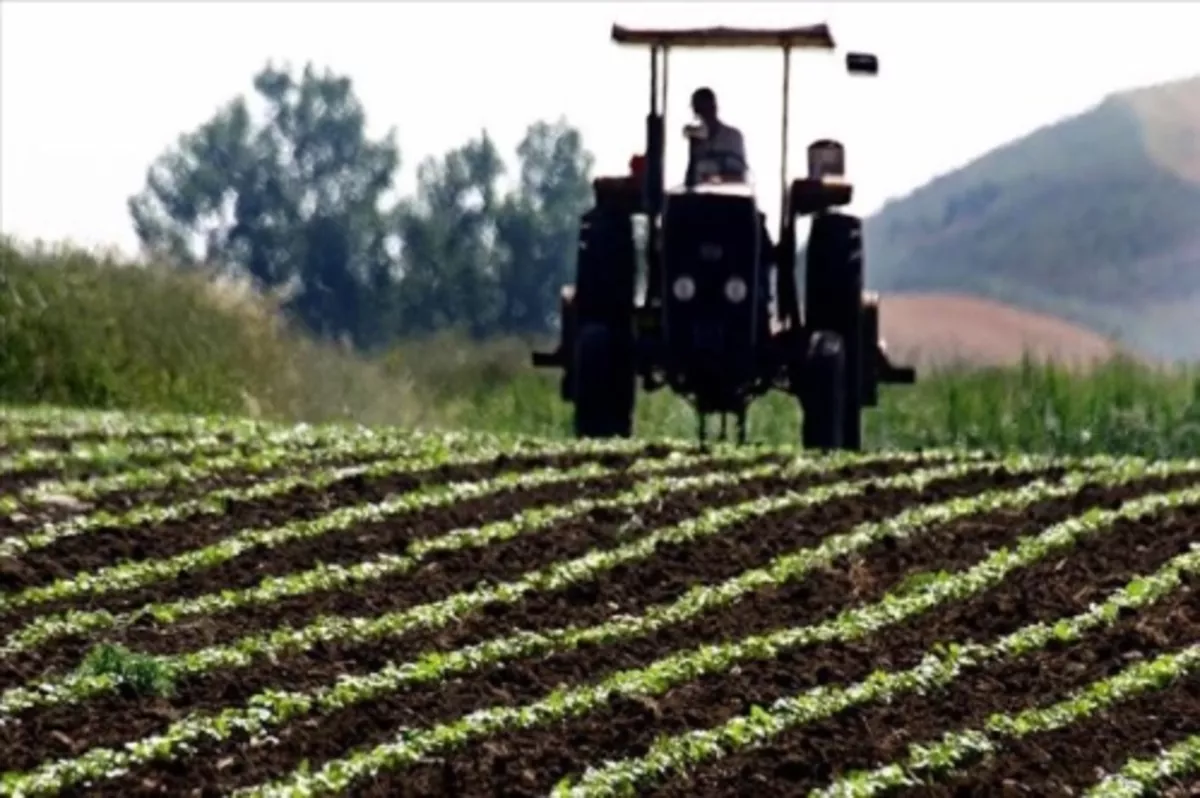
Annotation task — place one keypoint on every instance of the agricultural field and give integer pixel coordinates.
(209, 606)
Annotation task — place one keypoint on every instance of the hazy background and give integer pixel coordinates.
(91, 93)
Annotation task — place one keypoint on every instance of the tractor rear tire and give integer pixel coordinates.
(604, 384)
(834, 301)
(823, 393)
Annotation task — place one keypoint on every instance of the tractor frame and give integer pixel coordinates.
(720, 319)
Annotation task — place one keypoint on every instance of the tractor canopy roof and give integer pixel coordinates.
(813, 37)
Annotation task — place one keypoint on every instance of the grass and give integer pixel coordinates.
(1117, 407)
(86, 329)
(83, 329)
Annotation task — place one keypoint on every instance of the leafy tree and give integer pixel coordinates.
(488, 262)
(294, 196)
(538, 225)
(294, 200)
(449, 233)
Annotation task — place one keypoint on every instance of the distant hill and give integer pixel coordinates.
(1094, 219)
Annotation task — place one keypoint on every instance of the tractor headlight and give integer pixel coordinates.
(735, 290)
(684, 288)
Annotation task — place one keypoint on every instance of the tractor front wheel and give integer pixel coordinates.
(604, 385)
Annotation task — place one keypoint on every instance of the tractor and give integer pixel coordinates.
(684, 288)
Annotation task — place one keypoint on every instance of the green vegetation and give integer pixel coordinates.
(301, 202)
(285, 285)
(287, 597)
(88, 331)
(1092, 219)
(139, 673)
(177, 683)
(939, 668)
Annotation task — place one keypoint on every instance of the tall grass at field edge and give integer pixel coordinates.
(88, 329)
(84, 329)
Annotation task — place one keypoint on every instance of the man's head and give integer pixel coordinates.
(704, 104)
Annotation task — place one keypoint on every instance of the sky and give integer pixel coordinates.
(91, 93)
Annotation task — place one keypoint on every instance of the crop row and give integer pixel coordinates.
(1141, 776)
(271, 707)
(198, 466)
(242, 442)
(937, 669)
(245, 651)
(21, 424)
(110, 444)
(109, 455)
(255, 624)
(412, 745)
(416, 453)
(401, 455)
(126, 575)
(283, 450)
(273, 455)
(99, 447)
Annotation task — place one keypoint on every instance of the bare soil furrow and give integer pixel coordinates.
(1184, 787)
(58, 442)
(393, 536)
(1067, 761)
(430, 583)
(99, 548)
(445, 573)
(530, 762)
(513, 683)
(17, 481)
(51, 441)
(675, 568)
(262, 608)
(36, 513)
(390, 536)
(818, 597)
(322, 665)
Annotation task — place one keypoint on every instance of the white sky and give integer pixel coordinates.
(91, 93)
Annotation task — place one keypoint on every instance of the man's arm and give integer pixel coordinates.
(737, 147)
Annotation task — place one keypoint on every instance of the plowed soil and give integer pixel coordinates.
(32, 516)
(530, 761)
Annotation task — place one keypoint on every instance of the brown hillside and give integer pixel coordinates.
(940, 329)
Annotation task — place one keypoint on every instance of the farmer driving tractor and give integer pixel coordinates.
(717, 149)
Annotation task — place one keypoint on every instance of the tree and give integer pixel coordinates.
(449, 238)
(490, 263)
(538, 225)
(293, 201)
(294, 198)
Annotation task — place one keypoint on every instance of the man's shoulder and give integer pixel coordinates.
(730, 138)
(730, 130)
(727, 135)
